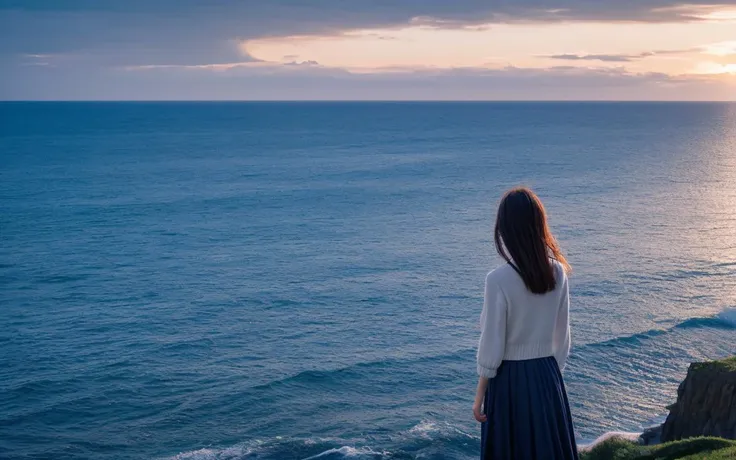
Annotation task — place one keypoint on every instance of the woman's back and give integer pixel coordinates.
(531, 319)
(517, 324)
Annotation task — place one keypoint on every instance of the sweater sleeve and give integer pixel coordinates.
(562, 328)
(492, 330)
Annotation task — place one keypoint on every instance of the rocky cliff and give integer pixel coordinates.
(706, 403)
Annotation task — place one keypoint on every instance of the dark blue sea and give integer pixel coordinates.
(304, 280)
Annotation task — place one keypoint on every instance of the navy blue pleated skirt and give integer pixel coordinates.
(528, 413)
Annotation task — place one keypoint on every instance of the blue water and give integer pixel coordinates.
(277, 281)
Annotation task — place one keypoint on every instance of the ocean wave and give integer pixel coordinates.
(246, 453)
(728, 316)
(350, 452)
(426, 440)
(714, 322)
(428, 429)
(726, 319)
(635, 362)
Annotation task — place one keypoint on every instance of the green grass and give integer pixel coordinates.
(722, 454)
(728, 364)
(688, 449)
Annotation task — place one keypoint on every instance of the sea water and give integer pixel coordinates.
(304, 280)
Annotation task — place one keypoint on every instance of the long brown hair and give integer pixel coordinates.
(521, 229)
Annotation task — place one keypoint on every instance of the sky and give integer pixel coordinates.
(367, 50)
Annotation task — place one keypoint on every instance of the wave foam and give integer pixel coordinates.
(428, 437)
(728, 316)
(631, 436)
(230, 453)
(279, 448)
(424, 428)
(349, 452)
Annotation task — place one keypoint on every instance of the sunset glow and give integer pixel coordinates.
(674, 49)
(663, 50)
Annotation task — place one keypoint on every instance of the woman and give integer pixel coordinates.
(525, 339)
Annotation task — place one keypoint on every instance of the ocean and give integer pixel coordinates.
(304, 280)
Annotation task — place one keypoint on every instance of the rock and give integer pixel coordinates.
(651, 435)
(706, 403)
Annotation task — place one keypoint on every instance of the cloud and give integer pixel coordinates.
(249, 66)
(339, 13)
(245, 61)
(267, 81)
(616, 57)
(594, 57)
(303, 63)
(189, 30)
(721, 49)
(175, 46)
(217, 67)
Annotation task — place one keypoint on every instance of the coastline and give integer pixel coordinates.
(700, 421)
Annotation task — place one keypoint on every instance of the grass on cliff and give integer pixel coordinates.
(728, 364)
(688, 449)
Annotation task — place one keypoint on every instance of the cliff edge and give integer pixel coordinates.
(706, 403)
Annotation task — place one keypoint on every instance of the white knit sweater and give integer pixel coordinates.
(517, 325)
